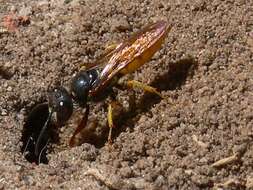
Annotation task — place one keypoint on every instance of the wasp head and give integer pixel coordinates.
(60, 103)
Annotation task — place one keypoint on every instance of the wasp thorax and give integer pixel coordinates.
(61, 104)
(81, 85)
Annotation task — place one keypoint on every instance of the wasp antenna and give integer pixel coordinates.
(42, 151)
(42, 132)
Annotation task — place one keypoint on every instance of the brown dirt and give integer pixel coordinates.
(205, 67)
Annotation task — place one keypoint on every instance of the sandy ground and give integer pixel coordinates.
(200, 140)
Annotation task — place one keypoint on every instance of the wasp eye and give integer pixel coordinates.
(61, 103)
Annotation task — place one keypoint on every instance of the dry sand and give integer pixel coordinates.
(202, 139)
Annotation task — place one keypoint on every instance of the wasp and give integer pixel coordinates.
(92, 81)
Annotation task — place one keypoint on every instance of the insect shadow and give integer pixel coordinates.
(173, 79)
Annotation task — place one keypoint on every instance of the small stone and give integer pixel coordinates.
(159, 181)
(126, 172)
(3, 112)
(119, 25)
(9, 89)
(25, 11)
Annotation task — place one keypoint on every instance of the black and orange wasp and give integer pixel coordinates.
(93, 79)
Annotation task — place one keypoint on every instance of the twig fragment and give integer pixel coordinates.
(225, 161)
(230, 183)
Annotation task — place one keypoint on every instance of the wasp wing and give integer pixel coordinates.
(131, 54)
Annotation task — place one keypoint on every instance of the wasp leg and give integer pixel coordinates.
(132, 100)
(114, 110)
(110, 47)
(147, 88)
(80, 127)
(110, 122)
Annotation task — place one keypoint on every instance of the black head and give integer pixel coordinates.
(60, 102)
(81, 85)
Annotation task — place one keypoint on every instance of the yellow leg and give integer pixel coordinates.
(137, 84)
(110, 47)
(82, 68)
(110, 122)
